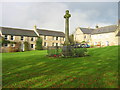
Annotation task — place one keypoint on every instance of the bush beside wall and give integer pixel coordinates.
(26, 46)
(79, 52)
(39, 44)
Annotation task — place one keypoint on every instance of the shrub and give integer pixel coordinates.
(83, 42)
(11, 49)
(4, 49)
(69, 51)
(39, 44)
(92, 46)
(26, 46)
(79, 52)
(54, 51)
(18, 46)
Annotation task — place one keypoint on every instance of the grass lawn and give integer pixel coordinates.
(33, 69)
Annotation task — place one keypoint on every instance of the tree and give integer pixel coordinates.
(18, 46)
(26, 46)
(83, 42)
(71, 38)
(39, 44)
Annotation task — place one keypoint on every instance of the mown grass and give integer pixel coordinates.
(33, 69)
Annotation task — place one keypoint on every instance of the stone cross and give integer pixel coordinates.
(67, 16)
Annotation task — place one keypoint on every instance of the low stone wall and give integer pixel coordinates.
(4, 50)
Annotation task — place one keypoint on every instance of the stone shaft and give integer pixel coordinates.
(67, 31)
(67, 16)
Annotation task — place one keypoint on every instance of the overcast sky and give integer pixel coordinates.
(49, 15)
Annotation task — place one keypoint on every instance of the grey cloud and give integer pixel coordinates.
(50, 15)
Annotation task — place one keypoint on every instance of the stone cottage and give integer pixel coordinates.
(50, 38)
(103, 36)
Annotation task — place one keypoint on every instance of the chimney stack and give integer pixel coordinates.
(88, 27)
(97, 26)
(35, 30)
(35, 27)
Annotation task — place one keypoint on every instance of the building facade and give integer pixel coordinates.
(103, 36)
(82, 34)
(50, 38)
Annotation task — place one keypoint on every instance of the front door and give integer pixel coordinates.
(107, 43)
(22, 46)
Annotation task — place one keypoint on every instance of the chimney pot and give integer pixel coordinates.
(35, 27)
(97, 26)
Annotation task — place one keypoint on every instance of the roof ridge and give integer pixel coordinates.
(86, 28)
(105, 29)
(49, 30)
(19, 28)
(105, 26)
(17, 31)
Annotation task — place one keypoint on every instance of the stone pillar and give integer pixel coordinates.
(67, 16)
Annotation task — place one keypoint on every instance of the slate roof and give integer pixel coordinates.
(50, 33)
(17, 32)
(106, 29)
(86, 30)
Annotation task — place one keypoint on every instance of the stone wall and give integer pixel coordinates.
(104, 39)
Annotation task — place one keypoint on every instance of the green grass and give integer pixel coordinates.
(33, 69)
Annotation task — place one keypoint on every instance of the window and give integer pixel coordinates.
(6, 37)
(56, 44)
(84, 37)
(107, 43)
(45, 37)
(32, 46)
(5, 44)
(56, 38)
(12, 37)
(22, 37)
(63, 39)
(12, 45)
(45, 44)
(52, 44)
(95, 43)
(32, 39)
